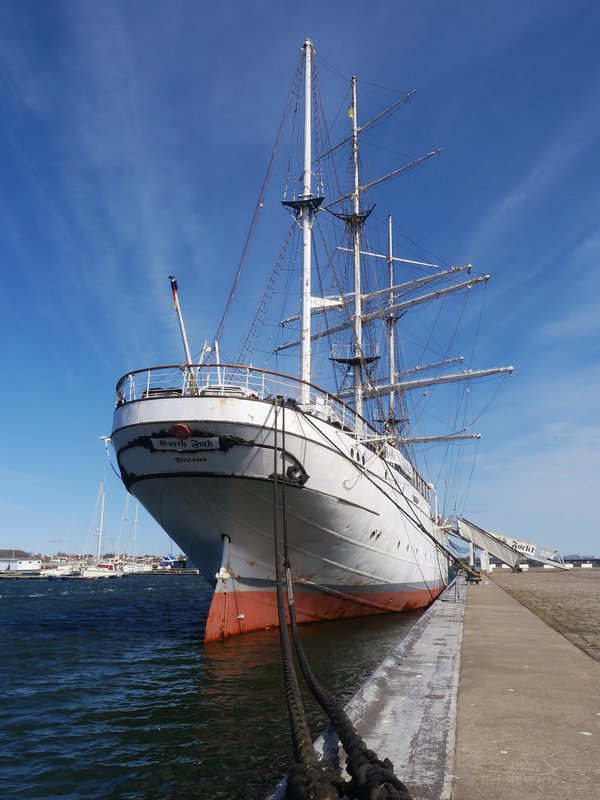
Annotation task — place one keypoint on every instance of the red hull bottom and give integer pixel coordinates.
(233, 613)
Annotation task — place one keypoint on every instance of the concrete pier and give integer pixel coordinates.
(528, 723)
(482, 700)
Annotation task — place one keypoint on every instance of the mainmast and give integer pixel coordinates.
(391, 325)
(356, 227)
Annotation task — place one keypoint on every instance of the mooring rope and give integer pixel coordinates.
(371, 777)
(309, 778)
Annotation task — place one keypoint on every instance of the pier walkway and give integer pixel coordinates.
(528, 723)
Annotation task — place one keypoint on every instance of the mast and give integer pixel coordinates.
(306, 214)
(391, 325)
(135, 524)
(186, 347)
(101, 523)
(356, 223)
(305, 207)
(192, 386)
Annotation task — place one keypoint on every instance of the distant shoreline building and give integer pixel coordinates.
(21, 566)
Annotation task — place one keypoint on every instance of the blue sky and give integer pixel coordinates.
(133, 142)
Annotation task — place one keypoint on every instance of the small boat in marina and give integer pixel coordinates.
(63, 572)
(101, 568)
(136, 567)
(204, 445)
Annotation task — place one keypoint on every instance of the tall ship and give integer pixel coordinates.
(319, 441)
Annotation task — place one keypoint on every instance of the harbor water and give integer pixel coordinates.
(107, 691)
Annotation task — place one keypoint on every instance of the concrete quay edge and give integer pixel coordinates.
(406, 710)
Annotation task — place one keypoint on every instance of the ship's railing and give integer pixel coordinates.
(233, 380)
(255, 383)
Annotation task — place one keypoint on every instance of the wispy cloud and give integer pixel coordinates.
(575, 316)
(545, 487)
(552, 163)
(110, 179)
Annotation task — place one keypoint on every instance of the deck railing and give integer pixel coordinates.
(254, 383)
(231, 380)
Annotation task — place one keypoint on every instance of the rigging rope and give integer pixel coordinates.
(413, 518)
(249, 345)
(106, 440)
(257, 209)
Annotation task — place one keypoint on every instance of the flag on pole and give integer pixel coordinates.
(174, 290)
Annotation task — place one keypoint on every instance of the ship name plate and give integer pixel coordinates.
(190, 444)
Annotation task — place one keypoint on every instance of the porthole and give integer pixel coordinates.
(351, 452)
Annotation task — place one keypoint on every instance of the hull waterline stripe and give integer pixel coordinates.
(234, 612)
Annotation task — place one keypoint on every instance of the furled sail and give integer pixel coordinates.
(487, 541)
(510, 551)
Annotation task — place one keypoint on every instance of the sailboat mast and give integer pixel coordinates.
(101, 523)
(356, 225)
(306, 214)
(135, 524)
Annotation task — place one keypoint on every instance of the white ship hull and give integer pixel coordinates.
(354, 523)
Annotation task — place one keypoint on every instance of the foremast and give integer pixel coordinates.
(306, 215)
(305, 207)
